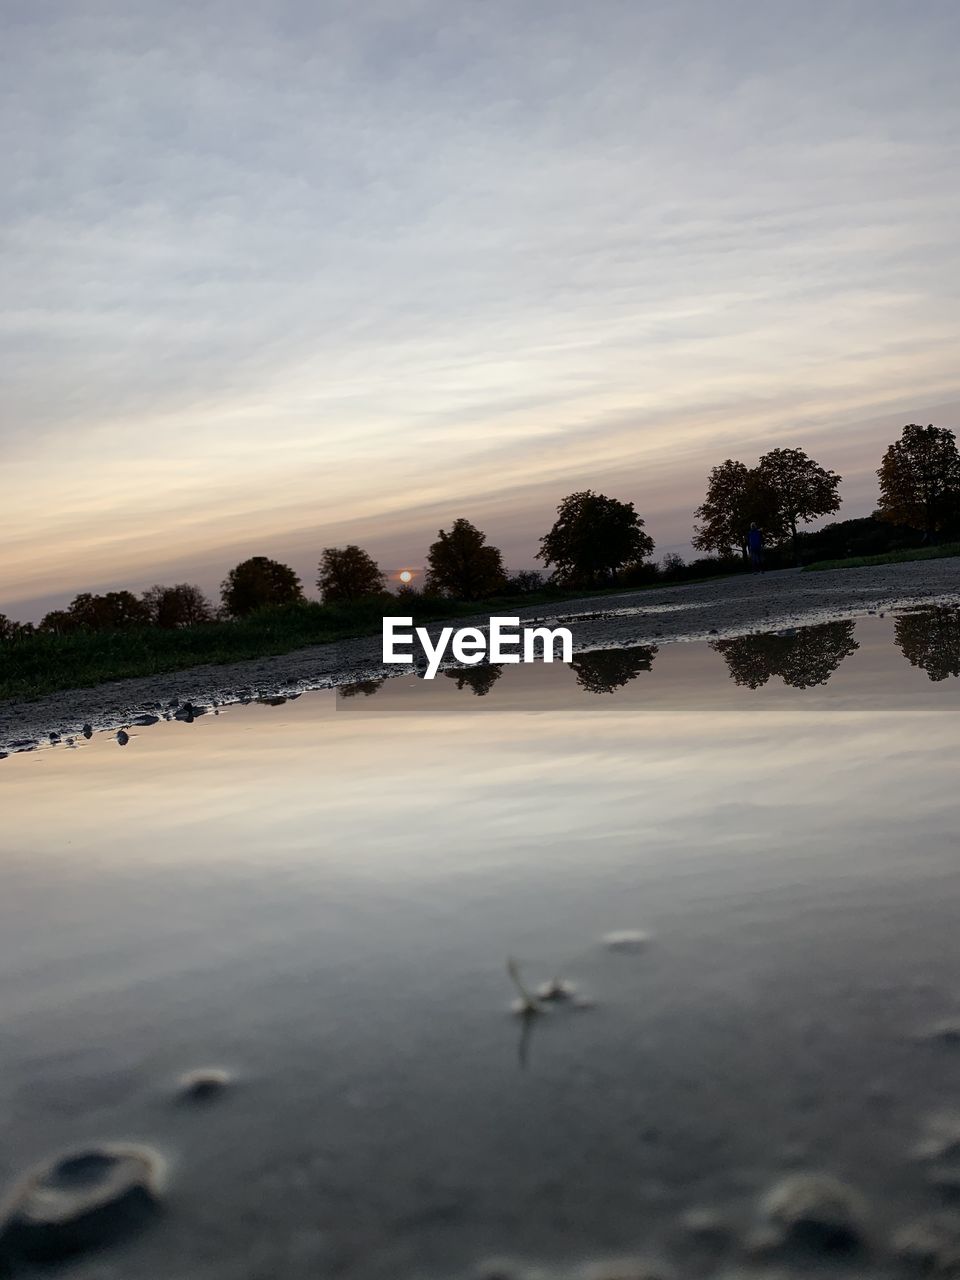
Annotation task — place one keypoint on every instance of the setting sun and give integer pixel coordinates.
(406, 576)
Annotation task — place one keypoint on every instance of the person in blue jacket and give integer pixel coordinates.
(755, 547)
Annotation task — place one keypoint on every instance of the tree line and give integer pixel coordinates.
(595, 541)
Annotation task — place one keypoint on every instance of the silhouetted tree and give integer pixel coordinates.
(114, 611)
(930, 639)
(480, 679)
(462, 566)
(8, 628)
(737, 496)
(802, 490)
(366, 688)
(58, 622)
(807, 658)
(592, 537)
(182, 605)
(524, 582)
(606, 670)
(257, 583)
(920, 480)
(348, 573)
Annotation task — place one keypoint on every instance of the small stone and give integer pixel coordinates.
(706, 1224)
(145, 720)
(80, 1201)
(946, 1180)
(942, 1138)
(87, 731)
(931, 1242)
(123, 737)
(624, 1269)
(817, 1210)
(763, 1241)
(626, 940)
(54, 737)
(945, 1031)
(204, 1084)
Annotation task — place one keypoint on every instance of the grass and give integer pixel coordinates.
(889, 557)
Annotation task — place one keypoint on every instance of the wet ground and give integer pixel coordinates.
(264, 953)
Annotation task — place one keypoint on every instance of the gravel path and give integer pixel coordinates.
(726, 607)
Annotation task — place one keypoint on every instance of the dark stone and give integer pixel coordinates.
(204, 1085)
(81, 1201)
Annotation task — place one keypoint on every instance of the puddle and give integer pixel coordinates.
(739, 859)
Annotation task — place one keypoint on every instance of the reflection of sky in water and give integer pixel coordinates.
(323, 893)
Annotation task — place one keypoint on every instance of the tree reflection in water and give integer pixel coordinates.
(808, 657)
(930, 639)
(480, 680)
(357, 687)
(605, 670)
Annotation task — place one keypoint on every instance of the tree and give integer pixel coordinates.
(808, 657)
(801, 489)
(348, 573)
(8, 628)
(58, 622)
(920, 480)
(258, 583)
(462, 566)
(114, 611)
(737, 496)
(182, 605)
(606, 670)
(592, 537)
(930, 639)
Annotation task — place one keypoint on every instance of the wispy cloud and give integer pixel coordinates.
(275, 272)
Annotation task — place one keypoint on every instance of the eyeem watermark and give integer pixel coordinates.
(504, 641)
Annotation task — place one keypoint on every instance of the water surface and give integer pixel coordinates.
(321, 896)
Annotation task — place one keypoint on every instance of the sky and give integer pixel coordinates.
(276, 276)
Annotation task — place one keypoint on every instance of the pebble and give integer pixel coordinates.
(816, 1210)
(706, 1224)
(123, 737)
(626, 940)
(204, 1084)
(942, 1138)
(931, 1242)
(87, 731)
(79, 1201)
(946, 1031)
(624, 1269)
(145, 720)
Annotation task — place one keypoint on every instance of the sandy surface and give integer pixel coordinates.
(727, 607)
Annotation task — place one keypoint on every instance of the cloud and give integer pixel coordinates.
(279, 271)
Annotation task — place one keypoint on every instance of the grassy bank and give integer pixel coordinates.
(891, 557)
